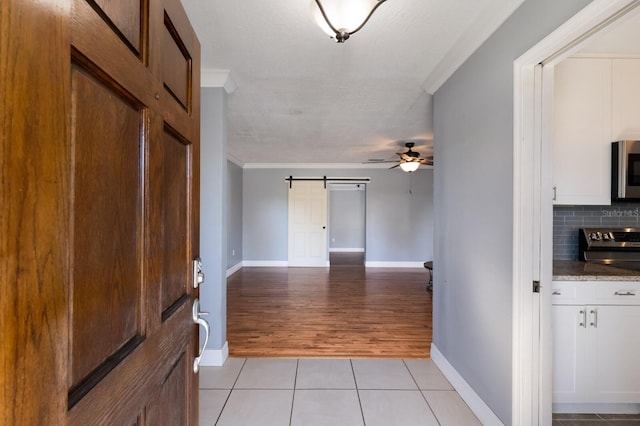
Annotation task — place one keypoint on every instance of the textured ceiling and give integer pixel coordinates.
(302, 98)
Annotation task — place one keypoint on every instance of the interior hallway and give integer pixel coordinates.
(342, 312)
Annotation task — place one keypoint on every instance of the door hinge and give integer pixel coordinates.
(536, 286)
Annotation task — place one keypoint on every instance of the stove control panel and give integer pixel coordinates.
(615, 243)
(601, 236)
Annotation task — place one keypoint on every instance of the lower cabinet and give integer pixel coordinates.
(596, 352)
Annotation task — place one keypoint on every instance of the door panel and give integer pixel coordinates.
(163, 409)
(176, 65)
(173, 208)
(126, 18)
(107, 201)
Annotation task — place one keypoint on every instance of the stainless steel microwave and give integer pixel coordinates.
(625, 171)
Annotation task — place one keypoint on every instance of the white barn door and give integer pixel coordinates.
(308, 224)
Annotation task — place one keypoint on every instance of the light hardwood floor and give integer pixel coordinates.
(343, 312)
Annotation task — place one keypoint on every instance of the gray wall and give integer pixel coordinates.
(473, 141)
(347, 217)
(399, 225)
(234, 214)
(568, 219)
(213, 212)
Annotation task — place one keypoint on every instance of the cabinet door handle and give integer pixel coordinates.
(556, 293)
(583, 312)
(594, 323)
(625, 293)
(554, 193)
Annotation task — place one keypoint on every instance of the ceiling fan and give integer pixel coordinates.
(409, 161)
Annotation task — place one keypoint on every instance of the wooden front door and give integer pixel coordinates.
(100, 212)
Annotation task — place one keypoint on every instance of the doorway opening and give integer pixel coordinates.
(533, 228)
(347, 224)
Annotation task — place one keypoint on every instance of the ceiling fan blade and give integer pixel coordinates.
(379, 162)
(393, 167)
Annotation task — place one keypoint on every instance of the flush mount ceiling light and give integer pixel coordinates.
(342, 18)
(410, 166)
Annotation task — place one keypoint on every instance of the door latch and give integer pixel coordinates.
(536, 286)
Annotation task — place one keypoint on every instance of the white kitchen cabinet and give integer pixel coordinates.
(616, 354)
(582, 132)
(569, 348)
(625, 113)
(596, 342)
(595, 103)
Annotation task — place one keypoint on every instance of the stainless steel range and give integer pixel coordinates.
(618, 247)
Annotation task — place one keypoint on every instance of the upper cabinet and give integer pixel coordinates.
(625, 111)
(595, 103)
(582, 133)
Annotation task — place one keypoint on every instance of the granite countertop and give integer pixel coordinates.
(575, 270)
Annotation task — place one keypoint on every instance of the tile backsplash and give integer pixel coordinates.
(568, 219)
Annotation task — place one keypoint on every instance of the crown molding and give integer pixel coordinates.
(324, 166)
(484, 25)
(218, 78)
(315, 166)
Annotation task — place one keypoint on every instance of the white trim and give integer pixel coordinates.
(265, 263)
(217, 78)
(606, 56)
(482, 411)
(325, 166)
(371, 264)
(315, 166)
(235, 268)
(480, 30)
(215, 357)
(597, 408)
(530, 188)
(346, 250)
(235, 160)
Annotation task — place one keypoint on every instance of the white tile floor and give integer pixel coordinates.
(332, 392)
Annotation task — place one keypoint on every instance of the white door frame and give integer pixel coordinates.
(533, 206)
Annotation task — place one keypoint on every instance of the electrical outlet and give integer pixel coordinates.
(233, 252)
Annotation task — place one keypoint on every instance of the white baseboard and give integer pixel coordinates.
(215, 357)
(597, 408)
(266, 263)
(466, 392)
(285, 263)
(346, 250)
(235, 268)
(370, 264)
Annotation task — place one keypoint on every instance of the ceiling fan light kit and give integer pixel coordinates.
(340, 19)
(410, 166)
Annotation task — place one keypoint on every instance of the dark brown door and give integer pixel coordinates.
(99, 225)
